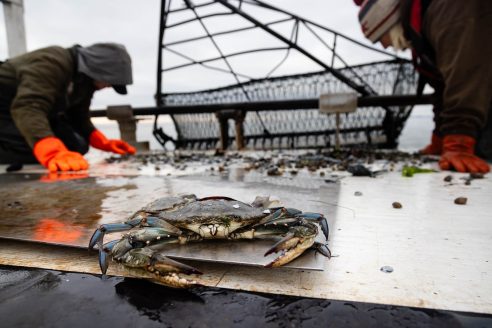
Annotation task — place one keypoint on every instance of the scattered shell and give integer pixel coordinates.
(476, 175)
(236, 206)
(461, 201)
(448, 178)
(397, 205)
(357, 193)
(274, 171)
(386, 269)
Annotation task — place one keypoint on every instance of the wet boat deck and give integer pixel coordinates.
(431, 253)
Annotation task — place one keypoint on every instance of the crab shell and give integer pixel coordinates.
(185, 218)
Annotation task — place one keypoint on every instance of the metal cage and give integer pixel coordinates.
(289, 128)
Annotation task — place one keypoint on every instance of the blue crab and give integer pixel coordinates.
(186, 218)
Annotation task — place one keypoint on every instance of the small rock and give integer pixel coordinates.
(386, 269)
(397, 205)
(448, 178)
(461, 201)
(357, 193)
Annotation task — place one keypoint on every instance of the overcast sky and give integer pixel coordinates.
(135, 24)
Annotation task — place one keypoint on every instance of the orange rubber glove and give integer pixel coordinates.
(52, 153)
(459, 153)
(435, 147)
(99, 141)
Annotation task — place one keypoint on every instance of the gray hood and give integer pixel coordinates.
(106, 62)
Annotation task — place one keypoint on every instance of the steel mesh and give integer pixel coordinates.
(306, 127)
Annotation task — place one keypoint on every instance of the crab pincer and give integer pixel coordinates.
(165, 270)
(295, 242)
(319, 218)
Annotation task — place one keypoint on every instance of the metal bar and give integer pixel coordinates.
(242, 29)
(195, 19)
(196, 6)
(200, 62)
(264, 5)
(366, 101)
(361, 89)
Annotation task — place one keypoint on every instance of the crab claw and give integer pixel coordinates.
(168, 272)
(104, 252)
(319, 218)
(163, 263)
(98, 235)
(322, 248)
(291, 246)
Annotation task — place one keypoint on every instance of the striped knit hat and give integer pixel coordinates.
(376, 17)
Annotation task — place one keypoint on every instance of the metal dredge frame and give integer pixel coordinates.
(290, 128)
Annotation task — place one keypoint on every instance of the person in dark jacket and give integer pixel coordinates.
(451, 48)
(44, 104)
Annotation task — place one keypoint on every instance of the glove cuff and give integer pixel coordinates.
(98, 140)
(45, 149)
(459, 143)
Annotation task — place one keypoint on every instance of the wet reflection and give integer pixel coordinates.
(60, 208)
(56, 231)
(33, 298)
(214, 307)
(60, 176)
(154, 300)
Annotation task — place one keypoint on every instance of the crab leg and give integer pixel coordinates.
(277, 214)
(140, 221)
(98, 235)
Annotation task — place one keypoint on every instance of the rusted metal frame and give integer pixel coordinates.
(223, 116)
